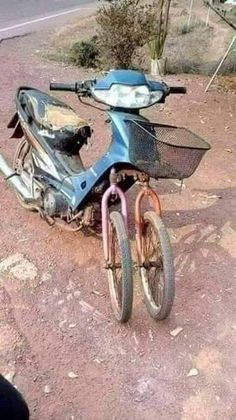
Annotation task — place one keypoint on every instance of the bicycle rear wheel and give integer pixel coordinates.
(157, 271)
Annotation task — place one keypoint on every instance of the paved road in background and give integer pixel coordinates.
(17, 17)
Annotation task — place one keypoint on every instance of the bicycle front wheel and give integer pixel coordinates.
(120, 276)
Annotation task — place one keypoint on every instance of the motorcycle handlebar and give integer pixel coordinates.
(65, 87)
(177, 89)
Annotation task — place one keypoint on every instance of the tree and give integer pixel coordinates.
(124, 26)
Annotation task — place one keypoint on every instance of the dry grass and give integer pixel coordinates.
(62, 41)
(226, 84)
(195, 50)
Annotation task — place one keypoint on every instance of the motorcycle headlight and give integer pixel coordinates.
(124, 96)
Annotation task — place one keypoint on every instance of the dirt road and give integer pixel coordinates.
(34, 15)
(58, 340)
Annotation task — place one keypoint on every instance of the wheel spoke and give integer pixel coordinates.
(116, 266)
(160, 288)
(157, 270)
(120, 268)
(153, 263)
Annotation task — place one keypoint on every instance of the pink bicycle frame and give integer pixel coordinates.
(112, 190)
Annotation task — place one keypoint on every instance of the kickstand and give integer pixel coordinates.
(47, 218)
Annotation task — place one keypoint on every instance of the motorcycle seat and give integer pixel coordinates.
(49, 113)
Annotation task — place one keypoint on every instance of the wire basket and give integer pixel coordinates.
(165, 151)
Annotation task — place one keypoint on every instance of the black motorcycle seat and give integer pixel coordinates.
(48, 112)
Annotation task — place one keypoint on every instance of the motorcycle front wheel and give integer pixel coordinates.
(120, 276)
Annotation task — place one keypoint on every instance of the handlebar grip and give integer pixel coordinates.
(65, 87)
(177, 89)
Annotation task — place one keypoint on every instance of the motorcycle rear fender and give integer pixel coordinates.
(15, 123)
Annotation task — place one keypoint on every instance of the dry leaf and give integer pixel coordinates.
(193, 372)
(72, 375)
(176, 331)
(47, 389)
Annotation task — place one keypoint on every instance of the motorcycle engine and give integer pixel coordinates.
(54, 203)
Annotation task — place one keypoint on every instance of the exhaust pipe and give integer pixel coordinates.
(13, 179)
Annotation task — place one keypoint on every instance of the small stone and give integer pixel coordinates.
(60, 302)
(62, 323)
(70, 286)
(233, 327)
(99, 361)
(98, 316)
(10, 261)
(46, 277)
(72, 375)
(55, 292)
(86, 307)
(24, 271)
(176, 331)
(150, 333)
(135, 339)
(229, 150)
(213, 196)
(47, 389)
(95, 292)
(23, 240)
(77, 293)
(72, 325)
(193, 372)
(69, 297)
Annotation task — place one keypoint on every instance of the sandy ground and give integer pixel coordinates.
(58, 340)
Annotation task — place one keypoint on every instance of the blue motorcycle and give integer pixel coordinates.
(48, 175)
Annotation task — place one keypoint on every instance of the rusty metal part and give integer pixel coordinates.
(72, 218)
(65, 226)
(53, 222)
(145, 192)
(138, 176)
(116, 177)
(88, 216)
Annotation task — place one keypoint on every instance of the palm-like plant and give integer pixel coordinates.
(157, 42)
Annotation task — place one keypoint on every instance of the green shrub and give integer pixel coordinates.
(85, 53)
(184, 28)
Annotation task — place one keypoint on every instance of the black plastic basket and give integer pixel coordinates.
(165, 151)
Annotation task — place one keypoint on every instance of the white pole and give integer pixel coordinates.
(221, 62)
(208, 13)
(190, 13)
